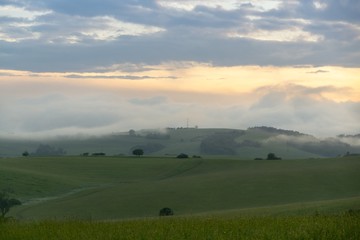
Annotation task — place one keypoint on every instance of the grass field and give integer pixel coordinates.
(120, 197)
(101, 188)
(277, 228)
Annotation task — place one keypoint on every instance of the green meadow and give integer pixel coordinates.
(212, 198)
(104, 188)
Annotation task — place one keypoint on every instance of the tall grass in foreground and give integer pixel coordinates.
(295, 227)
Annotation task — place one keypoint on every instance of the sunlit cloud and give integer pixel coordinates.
(294, 34)
(203, 78)
(27, 25)
(99, 28)
(19, 36)
(21, 12)
(108, 28)
(321, 5)
(189, 5)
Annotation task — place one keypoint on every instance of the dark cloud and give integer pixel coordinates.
(344, 10)
(183, 47)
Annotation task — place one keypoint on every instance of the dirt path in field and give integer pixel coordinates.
(35, 201)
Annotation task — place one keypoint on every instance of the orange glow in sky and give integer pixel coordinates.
(205, 79)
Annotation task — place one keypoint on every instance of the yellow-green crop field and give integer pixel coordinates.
(294, 227)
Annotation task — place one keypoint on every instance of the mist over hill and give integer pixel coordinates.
(254, 142)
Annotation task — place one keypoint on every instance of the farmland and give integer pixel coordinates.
(213, 198)
(291, 227)
(104, 188)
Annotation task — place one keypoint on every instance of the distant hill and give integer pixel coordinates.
(254, 142)
(349, 136)
(277, 131)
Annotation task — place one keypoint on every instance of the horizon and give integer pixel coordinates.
(165, 130)
(72, 68)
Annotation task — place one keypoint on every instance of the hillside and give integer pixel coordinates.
(127, 187)
(254, 142)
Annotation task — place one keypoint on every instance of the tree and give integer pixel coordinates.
(166, 212)
(272, 156)
(132, 133)
(182, 155)
(138, 152)
(25, 154)
(6, 203)
(97, 154)
(47, 150)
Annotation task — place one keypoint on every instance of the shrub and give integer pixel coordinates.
(98, 154)
(138, 152)
(182, 155)
(25, 154)
(272, 156)
(6, 203)
(166, 212)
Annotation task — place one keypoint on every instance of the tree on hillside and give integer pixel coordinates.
(182, 155)
(149, 148)
(47, 150)
(25, 154)
(6, 203)
(132, 132)
(138, 152)
(272, 156)
(166, 212)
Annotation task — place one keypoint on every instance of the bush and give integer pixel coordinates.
(166, 212)
(138, 152)
(6, 203)
(182, 155)
(98, 154)
(272, 156)
(25, 154)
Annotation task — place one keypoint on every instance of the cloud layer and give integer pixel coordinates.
(90, 34)
(101, 66)
(48, 105)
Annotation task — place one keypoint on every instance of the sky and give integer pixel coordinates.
(71, 67)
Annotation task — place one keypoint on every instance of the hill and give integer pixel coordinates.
(255, 142)
(128, 187)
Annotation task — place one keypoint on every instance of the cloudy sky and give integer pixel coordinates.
(90, 66)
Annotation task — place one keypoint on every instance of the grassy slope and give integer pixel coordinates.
(111, 188)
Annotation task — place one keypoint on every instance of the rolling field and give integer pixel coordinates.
(104, 188)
